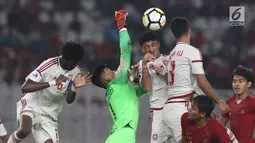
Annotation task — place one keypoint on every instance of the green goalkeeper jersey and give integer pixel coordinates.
(122, 96)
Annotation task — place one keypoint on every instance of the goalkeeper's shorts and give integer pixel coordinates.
(123, 135)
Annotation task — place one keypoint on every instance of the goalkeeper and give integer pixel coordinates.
(121, 95)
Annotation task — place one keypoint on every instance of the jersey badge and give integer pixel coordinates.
(155, 136)
(35, 75)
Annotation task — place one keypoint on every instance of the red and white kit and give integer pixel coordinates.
(184, 61)
(44, 105)
(158, 98)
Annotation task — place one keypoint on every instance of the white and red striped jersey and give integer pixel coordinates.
(184, 61)
(3, 132)
(158, 95)
(50, 100)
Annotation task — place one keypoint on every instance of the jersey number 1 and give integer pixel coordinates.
(172, 64)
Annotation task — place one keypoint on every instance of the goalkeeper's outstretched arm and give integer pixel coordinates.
(125, 47)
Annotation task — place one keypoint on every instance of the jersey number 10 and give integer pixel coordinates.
(172, 64)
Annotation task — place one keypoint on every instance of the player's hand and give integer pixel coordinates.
(223, 107)
(157, 69)
(133, 73)
(148, 58)
(80, 80)
(120, 17)
(61, 79)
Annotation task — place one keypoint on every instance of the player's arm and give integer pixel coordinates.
(3, 133)
(33, 80)
(32, 86)
(223, 121)
(4, 138)
(146, 78)
(71, 93)
(78, 81)
(198, 71)
(221, 134)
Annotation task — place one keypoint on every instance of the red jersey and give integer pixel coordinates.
(212, 132)
(242, 118)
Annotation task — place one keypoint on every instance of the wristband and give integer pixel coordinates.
(52, 83)
(73, 88)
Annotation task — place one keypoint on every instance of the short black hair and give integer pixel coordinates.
(204, 104)
(147, 36)
(72, 51)
(247, 73)
(96, 77)
(179, 26)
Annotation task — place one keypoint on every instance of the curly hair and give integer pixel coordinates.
(72, 51)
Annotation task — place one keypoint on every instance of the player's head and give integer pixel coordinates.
(201, 107)
(72, 53)
(149, 43)
(180, 28)
(102, 76)
(242, 79)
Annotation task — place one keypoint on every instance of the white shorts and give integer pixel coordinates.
(157, 134)
(43, 127)
(171, 116)
(3, 132)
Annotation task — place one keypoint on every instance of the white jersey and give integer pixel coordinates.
(2, 129)
(184, 61)
(50, 100)
(158, 95)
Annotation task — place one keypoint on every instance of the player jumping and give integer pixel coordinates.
(47, 87)
(121, 95)
(154, 82)
(242, 105)
(199, 127)
(3, 133)
(186, 76)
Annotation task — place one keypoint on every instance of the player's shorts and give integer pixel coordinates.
(43, 127)
(3, 132)
(123, 135)
(171, 116)
(157, 134)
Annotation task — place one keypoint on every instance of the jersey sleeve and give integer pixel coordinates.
(195, 59)
(253, 105)
(38, 73)
(121, 75)
(220, 133)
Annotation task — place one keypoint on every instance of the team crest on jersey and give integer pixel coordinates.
(165, 62)
(155, 136)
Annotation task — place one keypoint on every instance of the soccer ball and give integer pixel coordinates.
(154, 19)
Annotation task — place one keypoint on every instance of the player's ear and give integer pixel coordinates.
(190, 32)
(142, 50)
(158, 44)
(249, 84)
(173, 36)
(202, 114)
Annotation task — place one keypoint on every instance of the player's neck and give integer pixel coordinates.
(242, 96)
(183, 40)
(201, 123)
